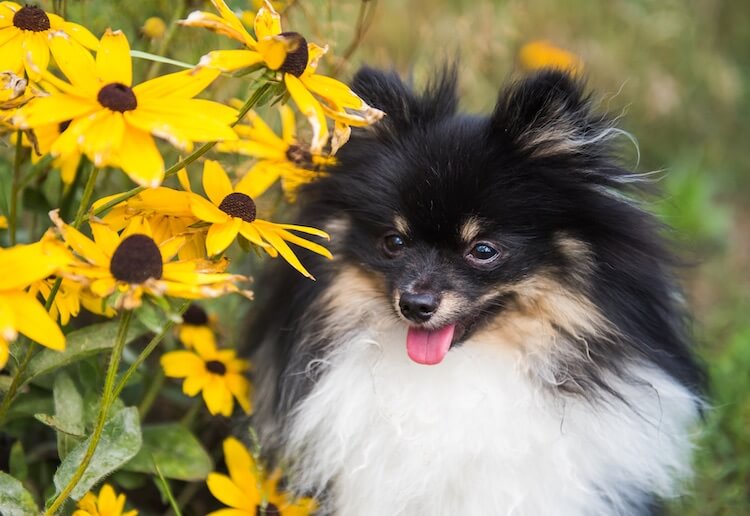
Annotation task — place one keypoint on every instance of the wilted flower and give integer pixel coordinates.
(231, 211)
(317, 96)
(133, 263)
(20, 312)
(540, 54)
(25, 40)
(284, 158)
(108, 503)
(218, 373)
(113, 121)
(248, 492)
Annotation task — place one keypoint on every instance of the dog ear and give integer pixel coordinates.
(402, 106)
(549, 113)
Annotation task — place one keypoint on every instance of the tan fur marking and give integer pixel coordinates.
(400, 224)
(470, 229)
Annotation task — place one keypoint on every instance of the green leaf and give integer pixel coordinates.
(68, 412)
(120, 441)
(160, 59)
(19, 468)
(151, 316)
(5, 382)
(58, 426)
(175, 449)
(80, 344)
(15, 500)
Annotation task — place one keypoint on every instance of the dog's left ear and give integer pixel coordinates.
(548, 113)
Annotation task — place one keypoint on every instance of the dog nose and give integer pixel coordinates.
(418, 307)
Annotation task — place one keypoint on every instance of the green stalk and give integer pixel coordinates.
(107, 399)
(86, 198)
(153, 70)
(197, 153)
(15, 190)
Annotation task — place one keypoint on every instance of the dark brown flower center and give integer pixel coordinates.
(296, 60)
(270, 510)
(216, 367)
(136, 259)
(117, 97)
(195, 316)
(64, 125)
(239, 205)
(31, 18)
(299, 155)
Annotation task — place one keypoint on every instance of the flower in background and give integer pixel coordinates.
(132, 264)
(218, 373)
(316, 96)
(112, 122)
(231, 211)
(108, 503)
(154, 28)
(282, 157)
(20, 312)
(25, 33)
(3, 222)
(540, 54)
(246, 490)
(196, 327)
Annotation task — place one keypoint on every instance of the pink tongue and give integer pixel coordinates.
(429, 347)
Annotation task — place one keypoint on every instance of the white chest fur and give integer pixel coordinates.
(474, 435)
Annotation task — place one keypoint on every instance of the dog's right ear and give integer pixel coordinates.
(403, 108)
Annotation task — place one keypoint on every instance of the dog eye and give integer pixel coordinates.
(393, 244)
(482, 253)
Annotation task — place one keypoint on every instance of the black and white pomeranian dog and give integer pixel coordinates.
(500, 330)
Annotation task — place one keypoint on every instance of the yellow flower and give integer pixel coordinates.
(247, 492)
(317, 96)
(154, 28)
(108, 503)
(231, 211)
(284, 157)
(3, 222)
(543, 54)
(197, 327)
(216, 372)
(112, 122)
(167, 212)
(133, 263)
(20, 312)
(25, 33)
(44, 136)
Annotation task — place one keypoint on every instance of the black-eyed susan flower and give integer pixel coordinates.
(284, 157)
(217, 373)
(132, 264)
(248, 492)
(107, 503)
(113, 122)
(197, 326)
(289, 53)
(40, 141)
(20, 311)
(540, 54)
(25, 33)
(232, 211)
(168, 214)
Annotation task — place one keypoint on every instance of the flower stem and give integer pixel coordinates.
(197, 153)
(153, 70)
(107, 398)
(88, 190)
(15, 190)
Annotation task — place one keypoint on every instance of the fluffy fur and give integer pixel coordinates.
(569, 387)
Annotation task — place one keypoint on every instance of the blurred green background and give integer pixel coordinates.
(678, 73)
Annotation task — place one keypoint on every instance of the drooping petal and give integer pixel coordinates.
(311, 109)
(139, 157)
(224, 490)
(217, 397)
(278, 243)
(206, 211)
(311, 246)
(230, 60)
(31, 262)
(81, 34)
(221, 235)
(240, 389)
(288, 124)
(248, 231)
(228, 15)
(33, 321)
(113, 63)
(53, 109)
(103, 137)
(36, 55)
(267, 22)
(11, 57)
(330, 88)
(242, 468)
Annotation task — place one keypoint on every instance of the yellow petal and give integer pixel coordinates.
(206, 211)
(311, 246)
(228, 15)
(278, 243)
(224, 490)
(81, 34)
(36, 55)
(181, 364)
(194, 384)
(288, 124)
(216, 182)
(31, 262)
(259, 178)
(53, 109)
(240, 389)
(11, 57)
(218, 25)
(113, 63)
(230, 60)
(107, 500)
(330, 88)
(7, 319)
(105, 238)
(184, 84)
(275, 50)
(4, 353)
(33, 321)
(76, 63)
(248, 231)
(220, 236)
(305, 229)
(139, 157)
(311, 109)
(242, 467)
(103, 137)
(255, 149)
(267, 22)
(217, 396)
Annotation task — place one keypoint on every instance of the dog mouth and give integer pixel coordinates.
(430, 346)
